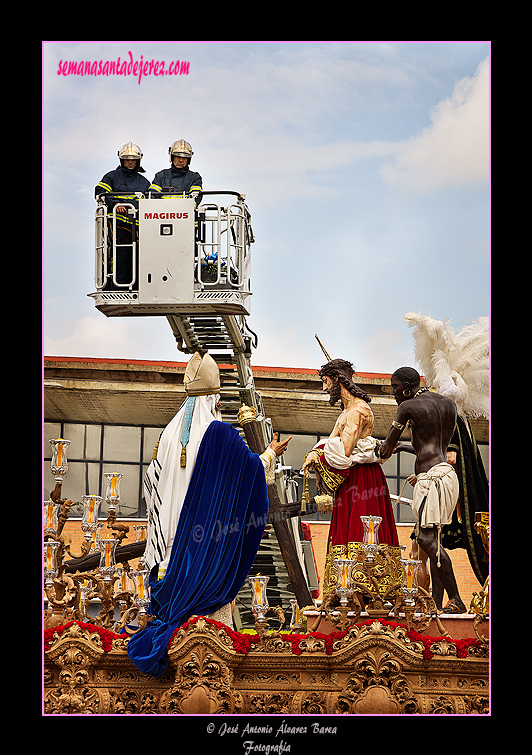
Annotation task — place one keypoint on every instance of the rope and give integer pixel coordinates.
(400, 495)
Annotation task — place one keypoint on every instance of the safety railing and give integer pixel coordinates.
(224, 239)
(222, 242)
(108, 245)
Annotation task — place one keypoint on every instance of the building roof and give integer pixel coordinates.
(145, 392)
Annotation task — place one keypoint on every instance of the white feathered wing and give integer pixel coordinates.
(456, 365)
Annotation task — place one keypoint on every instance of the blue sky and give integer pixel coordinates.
(365, 167)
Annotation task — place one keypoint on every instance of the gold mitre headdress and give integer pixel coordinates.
(202, 376)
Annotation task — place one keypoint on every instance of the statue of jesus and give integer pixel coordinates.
(347, 467)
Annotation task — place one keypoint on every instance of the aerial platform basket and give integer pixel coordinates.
(174, 258)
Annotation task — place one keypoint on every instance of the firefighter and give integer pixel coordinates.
(125, 180)
(179, 178)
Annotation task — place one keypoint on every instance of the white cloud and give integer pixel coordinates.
(283, 167)
(454, 149)
(385, 350)
(114, 338)
(285, 346)
(258, 125)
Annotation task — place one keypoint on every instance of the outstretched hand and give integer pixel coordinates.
(279, 448)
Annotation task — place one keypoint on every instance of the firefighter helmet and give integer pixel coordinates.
(130, 151)
(181, 148)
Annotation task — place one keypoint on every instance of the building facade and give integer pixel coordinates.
(113, 412)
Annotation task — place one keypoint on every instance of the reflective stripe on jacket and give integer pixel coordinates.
(181, 181)
(126, 181)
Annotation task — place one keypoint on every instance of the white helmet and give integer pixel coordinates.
(130, 151)
(180, 148)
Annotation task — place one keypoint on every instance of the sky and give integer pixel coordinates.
(365, 167)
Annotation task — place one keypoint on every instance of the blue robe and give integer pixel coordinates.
(218, 536)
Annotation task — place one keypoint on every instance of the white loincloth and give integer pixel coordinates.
(439, 489)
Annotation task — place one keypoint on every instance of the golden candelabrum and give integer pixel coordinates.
(366, 583)
(480, 600)
(69, 594)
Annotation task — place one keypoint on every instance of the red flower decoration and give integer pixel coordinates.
(242, 643)
(461, 645)
(107, 637)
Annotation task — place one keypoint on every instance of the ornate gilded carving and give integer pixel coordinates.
(203, 684)
(374, 668)
(274, 702)
(73, 692)
(314, 702)
(480, 601)
(377, 685)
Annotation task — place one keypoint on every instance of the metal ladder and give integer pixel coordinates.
(227, 339)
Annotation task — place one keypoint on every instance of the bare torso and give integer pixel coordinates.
(355, 422)
(432, 421)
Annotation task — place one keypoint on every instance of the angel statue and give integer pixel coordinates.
(456, 365)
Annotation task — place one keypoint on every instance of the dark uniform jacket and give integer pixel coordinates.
(181, 181)
(127, 182)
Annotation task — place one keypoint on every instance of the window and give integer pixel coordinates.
(96, 449)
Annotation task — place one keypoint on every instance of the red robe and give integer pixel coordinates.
(362, 491)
